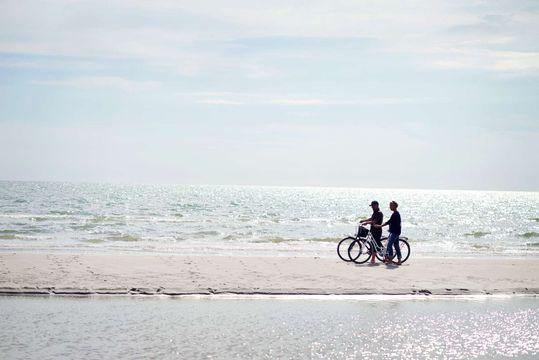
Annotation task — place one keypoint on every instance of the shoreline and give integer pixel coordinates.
(177, 275)
(260, 296)
(136, 252)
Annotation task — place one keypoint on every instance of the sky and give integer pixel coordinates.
(387, 94)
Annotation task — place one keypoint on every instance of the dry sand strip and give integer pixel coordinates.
(90, 274)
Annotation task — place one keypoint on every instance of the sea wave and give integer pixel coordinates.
(204, 233)
(481, 246)
(63, 212)
(298, 220)
(9, 231)
(278, 239)
(34, 217)
(94, 241)
(530, 234)
(106, 218)
(123, 237)
(239, 236)
(8, 236)
(478, 234)
(83, 226)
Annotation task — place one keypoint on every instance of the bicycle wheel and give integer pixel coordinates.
(342, 248)
(405, 250)
(404, 247)
(359, 252)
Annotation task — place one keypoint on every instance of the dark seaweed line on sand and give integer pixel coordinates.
(28, 291)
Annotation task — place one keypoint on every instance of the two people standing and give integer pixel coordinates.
(394, 222)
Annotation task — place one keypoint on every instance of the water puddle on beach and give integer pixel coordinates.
(247, 328)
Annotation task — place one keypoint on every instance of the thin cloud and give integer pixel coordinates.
(54, 64)
(299, 102)
(220, 102)
(295, 101)
(161, 40)
(101, 82)
(354, 102)
(516, 62)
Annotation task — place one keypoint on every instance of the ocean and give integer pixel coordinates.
(257, 220)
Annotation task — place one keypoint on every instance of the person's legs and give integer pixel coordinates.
(389, 250)
(373, 255)
(398, 249)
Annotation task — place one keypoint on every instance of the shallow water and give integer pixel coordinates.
(127, 327)
(254, 220)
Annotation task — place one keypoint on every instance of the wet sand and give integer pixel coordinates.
(88, 274)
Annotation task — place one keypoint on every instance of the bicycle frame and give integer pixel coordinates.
(372, 242)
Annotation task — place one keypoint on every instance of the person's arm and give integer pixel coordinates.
(366, 221)
(384, 224)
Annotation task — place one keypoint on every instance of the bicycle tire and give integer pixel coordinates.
(404, 246)
(359, 252)
(406, 253)
(342, 248)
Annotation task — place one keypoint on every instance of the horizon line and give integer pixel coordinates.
(123, 182)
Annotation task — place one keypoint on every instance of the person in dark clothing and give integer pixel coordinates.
(394, 223)
(376, 218)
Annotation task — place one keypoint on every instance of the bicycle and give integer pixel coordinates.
(359, 248)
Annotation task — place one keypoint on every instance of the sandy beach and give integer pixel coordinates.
(87, 274)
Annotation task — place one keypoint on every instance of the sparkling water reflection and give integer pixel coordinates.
(251, 220)
(108, 327)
